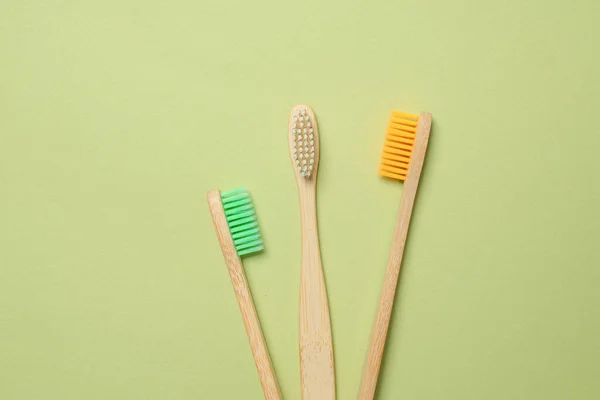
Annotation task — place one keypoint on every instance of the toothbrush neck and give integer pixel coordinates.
(308, 210)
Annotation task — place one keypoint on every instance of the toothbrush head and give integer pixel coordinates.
(242, 222)
(399, 145)
(304, 141)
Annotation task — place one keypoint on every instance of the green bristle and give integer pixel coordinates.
(242, 221)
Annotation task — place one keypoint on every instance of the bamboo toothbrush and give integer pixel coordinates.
(316, 349)
(238, 233)
(403, 156)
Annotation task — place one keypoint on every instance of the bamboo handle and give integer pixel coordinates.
(316, 349)
(268, 379)
(386, 301)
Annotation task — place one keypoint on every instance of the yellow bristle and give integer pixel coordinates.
(405, 115)
(392, 163)
(391, 151)
(401, 129)
(400, 133)
(397, 157)
(390, 175)
(398, 145)
(400, 139)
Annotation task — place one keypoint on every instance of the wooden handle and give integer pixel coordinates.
(386, 301)
(268, 379)
(316, 349)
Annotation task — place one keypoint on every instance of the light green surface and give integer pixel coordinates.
(117, 116)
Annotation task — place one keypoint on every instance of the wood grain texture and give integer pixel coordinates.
(266, 373)
(316, 347)
(386, 300)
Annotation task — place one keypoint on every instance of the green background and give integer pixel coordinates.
(117, 116)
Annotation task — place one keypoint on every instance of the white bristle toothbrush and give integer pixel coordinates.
(316, 347)
(238, 233)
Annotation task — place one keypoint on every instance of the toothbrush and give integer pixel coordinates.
(316, 348)
(402, 159)
(238, 233)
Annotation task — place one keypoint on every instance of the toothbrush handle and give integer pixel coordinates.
(316, 349)
(262, 360)
(386, 301)
(268, 379)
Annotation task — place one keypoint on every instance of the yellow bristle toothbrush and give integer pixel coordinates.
(403, 156)
(316, 348)
(238, 233)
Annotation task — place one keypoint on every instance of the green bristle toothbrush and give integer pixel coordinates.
(238, 233)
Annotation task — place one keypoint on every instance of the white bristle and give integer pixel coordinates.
(303, 142)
